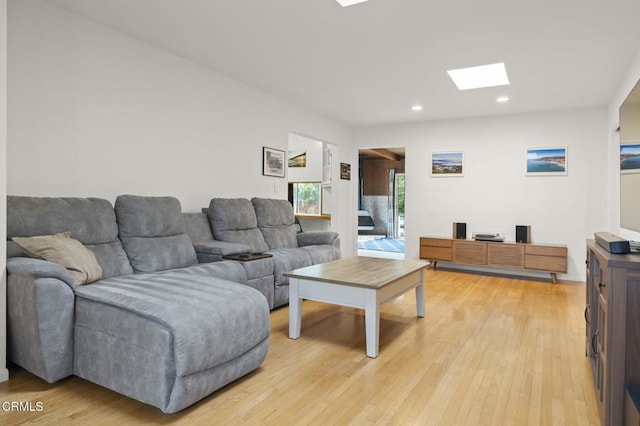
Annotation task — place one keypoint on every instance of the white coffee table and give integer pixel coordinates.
(358, 282)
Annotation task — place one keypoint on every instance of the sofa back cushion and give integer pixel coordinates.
(153, 233)
(234, 220)
(198, 227)
(276, 221)
(92, 221)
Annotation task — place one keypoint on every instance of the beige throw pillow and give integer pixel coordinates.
(65, 251)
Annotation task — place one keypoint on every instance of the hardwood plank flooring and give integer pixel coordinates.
(490, 351)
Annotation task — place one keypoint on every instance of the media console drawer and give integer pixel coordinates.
(546, 263)
(469, 252)
(543, 250)
(436, 249)
(550, 258)
(507, 255)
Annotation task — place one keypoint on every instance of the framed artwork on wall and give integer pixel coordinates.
(345, 171)
(273, 162)
(297, 158)
(630, 157)
(547, 161)
(445, 164)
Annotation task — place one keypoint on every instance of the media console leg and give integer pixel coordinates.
(554, 280)
(434, 264)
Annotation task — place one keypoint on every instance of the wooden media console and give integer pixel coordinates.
(536, 257)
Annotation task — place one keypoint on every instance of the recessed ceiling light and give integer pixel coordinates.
(502, 99)
(481, 76)
(345, 3)
(416, 108)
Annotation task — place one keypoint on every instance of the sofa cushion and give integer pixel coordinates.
(322, 253)
(276, 221)
(287, 260)
(153, 233)
(234, 220)
(66, 251)
(92, 221)
(221, 248)
(198, 227)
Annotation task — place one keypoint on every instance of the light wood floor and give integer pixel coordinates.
(490, 350)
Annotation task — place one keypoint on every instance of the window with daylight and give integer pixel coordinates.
(306, 197)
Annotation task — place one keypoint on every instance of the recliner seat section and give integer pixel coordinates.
(268, 225)
(290, 249)
(234, 220)
(168, 335)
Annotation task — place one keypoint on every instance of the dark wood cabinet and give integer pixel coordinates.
(612, 318)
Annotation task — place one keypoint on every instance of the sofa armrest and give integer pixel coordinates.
(37, 268)
(221, 248)
(316, 238)
(40, 314)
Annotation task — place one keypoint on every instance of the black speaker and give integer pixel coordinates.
(459, 231)
(523, 233)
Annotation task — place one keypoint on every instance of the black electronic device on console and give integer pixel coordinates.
(497, 238)
(523, 233)
(459, 230)
(612, 243)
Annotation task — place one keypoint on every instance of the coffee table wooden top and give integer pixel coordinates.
(359, 271)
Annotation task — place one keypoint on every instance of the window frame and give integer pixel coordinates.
(294, 197)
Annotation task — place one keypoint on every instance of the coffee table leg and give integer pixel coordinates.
(295, 308)
(420, 296)
(420, 301)
(372, 324)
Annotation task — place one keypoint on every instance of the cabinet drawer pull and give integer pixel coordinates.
(601, 285)
(594, 339)
(586, 314)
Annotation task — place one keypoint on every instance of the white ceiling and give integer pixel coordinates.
(369, 63)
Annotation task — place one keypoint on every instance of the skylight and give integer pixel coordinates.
(481, 76)
(345, 3)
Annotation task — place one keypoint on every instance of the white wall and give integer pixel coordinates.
(494, 194)
(93, 112)
(627, 83)
(4, 373)
(313, 170)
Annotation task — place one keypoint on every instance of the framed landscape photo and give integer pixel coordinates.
(297, 158)
(630, 157)
(273, 162)
(551, 161)
(445, 164)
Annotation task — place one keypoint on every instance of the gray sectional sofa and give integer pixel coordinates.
(170, 321)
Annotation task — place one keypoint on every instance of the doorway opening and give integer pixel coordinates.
(309, 174)
(381, 202)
